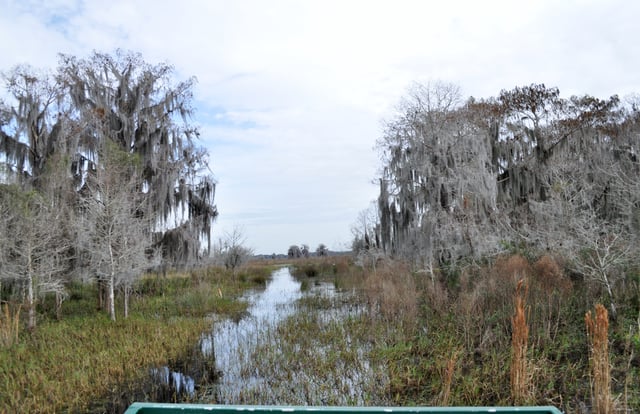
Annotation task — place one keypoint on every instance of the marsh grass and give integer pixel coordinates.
(64, 366)
(447, 378)
(477, 318)
(256, 274)
(312, 267)
(392, 293)
(392, 337)
(86, 362)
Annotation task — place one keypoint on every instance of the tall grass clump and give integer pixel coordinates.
(551, 289)
(597, 334)
(319, 266)
(9, 325)
(521, 386)
(392, 292)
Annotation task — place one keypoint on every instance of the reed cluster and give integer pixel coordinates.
(447, 378)
(598, 335)
(520, 371)
(9, 325)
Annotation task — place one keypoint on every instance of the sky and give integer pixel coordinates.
(291, 96)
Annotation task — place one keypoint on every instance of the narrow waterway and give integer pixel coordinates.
(298, 344)
(234, 341)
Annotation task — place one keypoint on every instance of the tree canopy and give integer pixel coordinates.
(135, 105)
(464, 179)
(100, 174)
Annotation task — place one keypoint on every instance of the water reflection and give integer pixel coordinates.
(177, 381)
(234, 342)
(241, 378)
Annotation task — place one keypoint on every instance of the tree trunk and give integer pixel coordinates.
(612, 304)
(111, 287)
(102, 295)
(111, 299)
(126, 302)
(58, 305)
(31, 323)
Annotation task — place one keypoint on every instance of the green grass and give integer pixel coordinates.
(85, 360)
(90, 356)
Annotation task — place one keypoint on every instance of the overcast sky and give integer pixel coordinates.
(291, 95)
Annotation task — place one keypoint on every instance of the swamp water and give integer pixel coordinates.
(233, 342)
(292, 347)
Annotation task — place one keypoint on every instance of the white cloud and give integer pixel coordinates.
(290, 94)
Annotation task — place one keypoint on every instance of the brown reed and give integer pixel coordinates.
(597, 334)
(9, 325)
(447, 378)
(521, 387)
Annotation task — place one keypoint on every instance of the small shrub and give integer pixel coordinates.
(341, 266)
(259, 279)
(509, 270)
(549, 275)
(496, 287)
(437, 297)
(305, 286)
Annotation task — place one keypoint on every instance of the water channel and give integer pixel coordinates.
(252, 353)
(234, 342)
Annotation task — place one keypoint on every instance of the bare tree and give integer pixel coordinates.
(365, 230)
(603, 257)
(233, 251)
(32, 247)
(366, 244)
(118, 236)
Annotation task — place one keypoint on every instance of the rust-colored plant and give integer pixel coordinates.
(550, 277)
(597, 334)
(511, 268)
(521, 387)
(9, 325)
(447, 378)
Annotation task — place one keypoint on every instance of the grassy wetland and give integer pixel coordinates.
(85, 362)
(513, 331)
